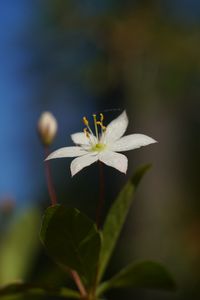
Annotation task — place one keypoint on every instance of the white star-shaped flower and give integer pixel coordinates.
(103, 146)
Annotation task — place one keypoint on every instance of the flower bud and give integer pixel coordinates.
(47, 128)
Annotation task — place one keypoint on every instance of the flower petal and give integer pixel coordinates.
(115, 160)
(67, 152)
(79, 163)
(80, 138)
(116, 128)
(132, 141)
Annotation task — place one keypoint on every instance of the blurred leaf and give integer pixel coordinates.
(147, 274)
(116, 218)
(72, 239)
(22, 288)
(19, 246)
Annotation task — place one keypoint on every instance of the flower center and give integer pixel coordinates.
(98, 147)
(99, 128)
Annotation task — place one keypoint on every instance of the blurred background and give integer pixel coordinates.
(78, 57)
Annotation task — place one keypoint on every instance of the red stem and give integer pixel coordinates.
(51, 190)
(79, 283)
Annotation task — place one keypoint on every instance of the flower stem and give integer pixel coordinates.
(52, 193)
(79, 284)
(101, 196)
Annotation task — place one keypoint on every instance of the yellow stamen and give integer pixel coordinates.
(86, 132)
(101, 117)
(101, 125)
(95, 126)
(85, 121)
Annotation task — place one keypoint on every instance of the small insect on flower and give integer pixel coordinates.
(104, 145)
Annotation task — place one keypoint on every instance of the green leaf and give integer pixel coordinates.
(72, 239)
(116, 218)
(147, 274)
(19, 246)
(14, 289)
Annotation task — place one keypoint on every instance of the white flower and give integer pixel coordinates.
(103, 146)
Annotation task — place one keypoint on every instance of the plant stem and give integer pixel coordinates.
(99, 214)
(79, 284)
(52, 193)
(101, 196)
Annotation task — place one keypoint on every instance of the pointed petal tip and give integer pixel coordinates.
(152, 141)
(131, 142)
(149, 141)
(73, 171)
(124, 167)
(117, 127)
(72, 174)
(124, 112)
(123, 172)
(51, 156)
(48, 157)
(81, 162)
(124, 115)
(115, 160)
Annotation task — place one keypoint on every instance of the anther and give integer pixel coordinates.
(101, 125)
(101, 117)
(85, 121)
(86, 132)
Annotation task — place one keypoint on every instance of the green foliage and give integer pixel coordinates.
(116, 218)
(29, 289)
(19, 246)
(72, 240)
(147, 274)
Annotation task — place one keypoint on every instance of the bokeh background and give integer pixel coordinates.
(78, 57)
